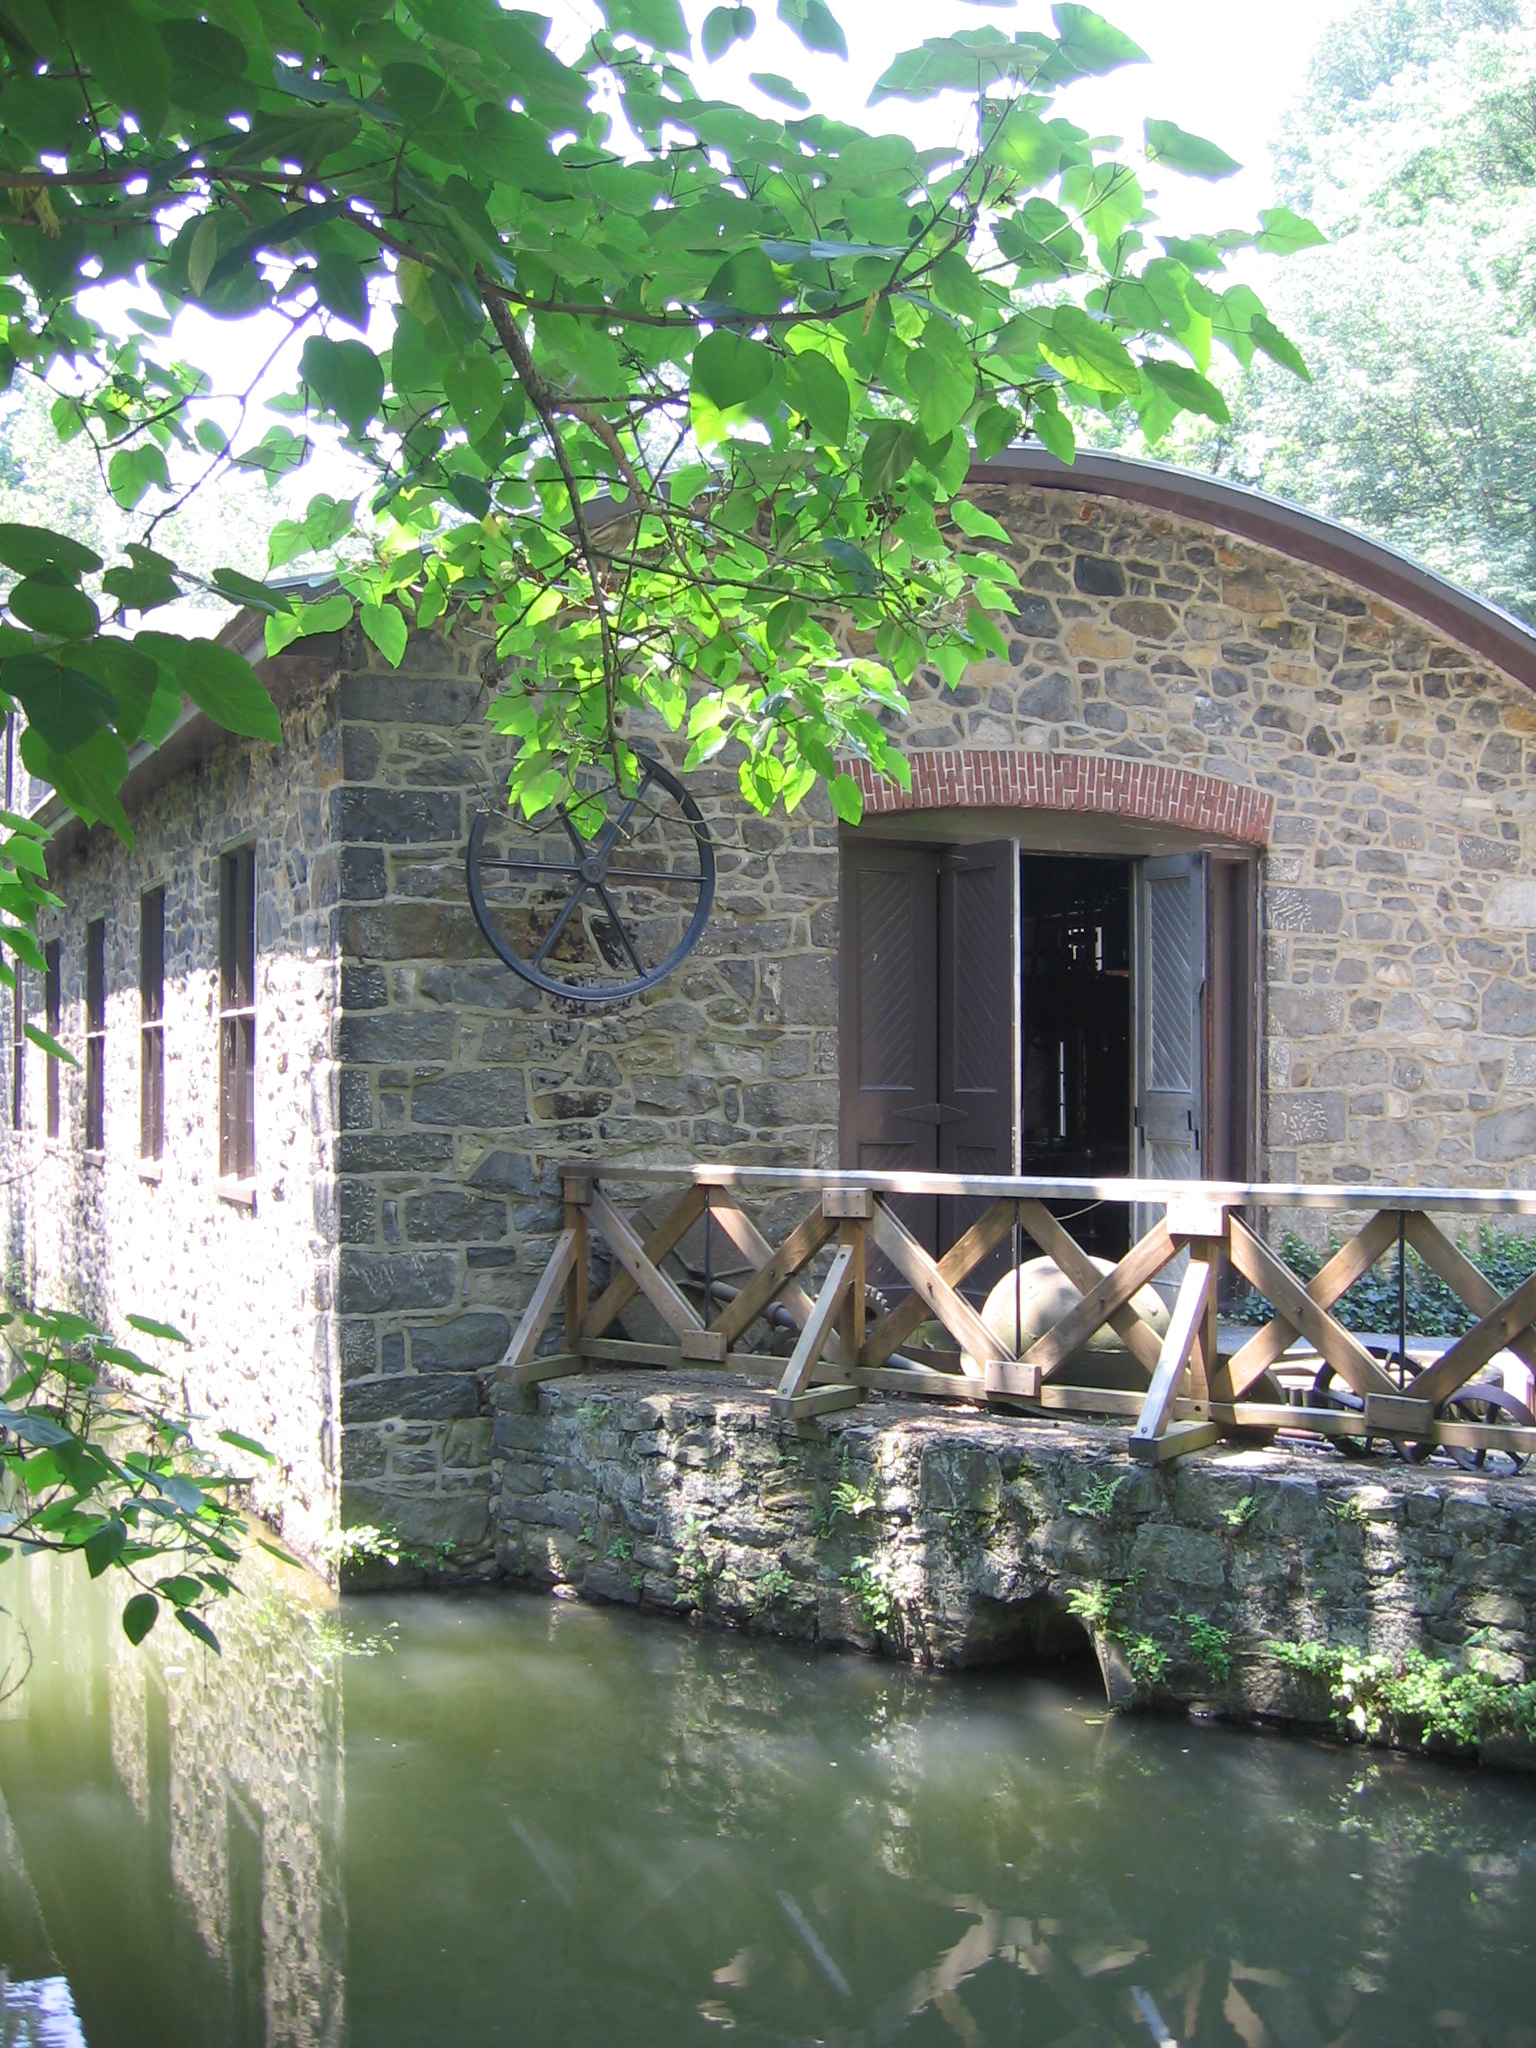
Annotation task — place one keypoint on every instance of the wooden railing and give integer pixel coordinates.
(1302, 1370)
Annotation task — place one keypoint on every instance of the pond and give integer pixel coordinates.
(465, 1820)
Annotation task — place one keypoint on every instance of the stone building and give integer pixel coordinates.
(1229, 869)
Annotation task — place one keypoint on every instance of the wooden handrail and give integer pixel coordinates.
(1191, 1395)
(1228, 1194)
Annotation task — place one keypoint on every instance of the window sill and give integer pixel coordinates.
(240, 1194)
(92, 1155)
(151, 1170)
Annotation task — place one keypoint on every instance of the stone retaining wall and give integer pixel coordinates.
(955, 1539)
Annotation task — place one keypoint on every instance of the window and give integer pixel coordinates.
(51, 1017)
(95, 1034)
(18, 1049)
(237, 1014)
(152, 1024)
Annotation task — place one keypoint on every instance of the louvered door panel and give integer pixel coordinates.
(1170, 1058)
(978, 1026)
(888, 1018)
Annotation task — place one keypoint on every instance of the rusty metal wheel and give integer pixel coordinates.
(601, 918)
(1488, 1404)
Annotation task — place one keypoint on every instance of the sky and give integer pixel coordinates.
(1225, 69)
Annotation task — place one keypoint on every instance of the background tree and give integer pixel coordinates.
(1414, 147)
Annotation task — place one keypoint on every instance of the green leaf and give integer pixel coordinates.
(1278, 346)
(846, 800)
(814, 23)
(133, 471)
(278, 451)
(139, 1616)
(126, 58)
(36, 551)
(1053, 430)
(777, 87)
(1090, 45)
(658, 23)
(151, 581)
(996, 428)
(195, 1625)
(476, 393)
(237, 1442)
(34, 22)
(889, 452)
(57, 608)
(1284, 232)
(1193, 392)
(942, 377)
(977, 524)
(39, 1037)
(724, 26)
(1093, 353)
(386, 628)
(105, 1547)
(853, 561)
(63, 705)
(729, 367)
(246, 590)
(818, 390)
(219, 682)
(148, 1327)
(346, 377)
(88, 777)
(1168, 143)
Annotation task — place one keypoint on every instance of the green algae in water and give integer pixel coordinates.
(464, 1820)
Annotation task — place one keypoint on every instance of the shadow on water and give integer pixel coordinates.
(481, 1819)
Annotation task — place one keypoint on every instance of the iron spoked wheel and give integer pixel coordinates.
(1491, 1405)
(601, 919)
(1329, 1391)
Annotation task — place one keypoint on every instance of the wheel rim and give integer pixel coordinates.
(602, 875)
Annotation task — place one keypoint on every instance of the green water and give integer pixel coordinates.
(498, 1819)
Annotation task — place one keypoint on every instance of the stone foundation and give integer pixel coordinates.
(961, 1539)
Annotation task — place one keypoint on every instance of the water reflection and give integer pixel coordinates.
(569, 1826)
(172, 1847)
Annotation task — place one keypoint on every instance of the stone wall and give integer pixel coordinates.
(462, 1088)
(956, 1539)
(245, 1273)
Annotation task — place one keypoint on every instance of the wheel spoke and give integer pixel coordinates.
(534, 867)
(618, 924)
(559, 924)
(653, 875)
(612, 831)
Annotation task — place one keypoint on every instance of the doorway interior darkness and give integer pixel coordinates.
(1066, 1015)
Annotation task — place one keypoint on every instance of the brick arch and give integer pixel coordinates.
(1008, 778)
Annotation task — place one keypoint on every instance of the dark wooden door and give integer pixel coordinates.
(888, 1018)
(978, 1007)
(929, 1021)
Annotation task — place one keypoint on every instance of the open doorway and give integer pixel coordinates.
(1071, 1016)
(1075, 990)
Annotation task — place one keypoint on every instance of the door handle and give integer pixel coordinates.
(934, 1113)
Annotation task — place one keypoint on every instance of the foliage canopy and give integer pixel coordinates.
(668, 395)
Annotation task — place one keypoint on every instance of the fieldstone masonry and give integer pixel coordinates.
(416, 1099)
(958, 1540)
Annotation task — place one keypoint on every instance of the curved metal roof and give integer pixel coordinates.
(1472, 622)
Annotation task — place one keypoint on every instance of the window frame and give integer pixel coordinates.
(237, 1014)
(152, 1023)
(18, 1051)
(96, 1035)
(53, 1005)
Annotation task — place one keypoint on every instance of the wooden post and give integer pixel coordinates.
(850, 1322)
(578, 1197)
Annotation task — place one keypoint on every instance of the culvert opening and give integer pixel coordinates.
(1038, 1634)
